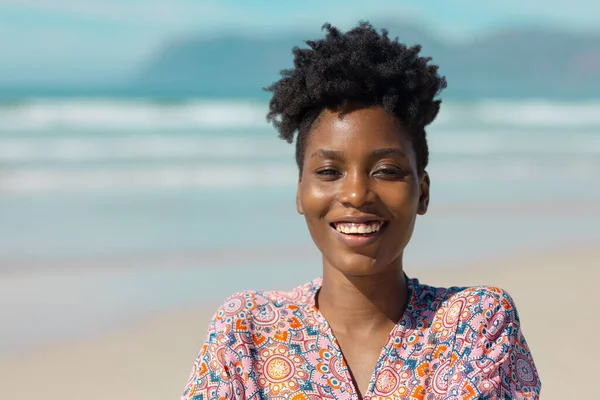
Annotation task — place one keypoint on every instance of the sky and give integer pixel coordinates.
(66, 41)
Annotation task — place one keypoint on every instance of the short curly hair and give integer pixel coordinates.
(360, 66)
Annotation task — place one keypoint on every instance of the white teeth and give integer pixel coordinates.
(353, 228)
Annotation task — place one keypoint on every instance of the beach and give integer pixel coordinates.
(122, 233)
(143, 179)
(554, 290)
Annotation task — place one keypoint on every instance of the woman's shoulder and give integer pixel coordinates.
(466, 303)
(262, 306)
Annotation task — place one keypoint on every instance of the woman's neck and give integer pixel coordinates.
(362, 303)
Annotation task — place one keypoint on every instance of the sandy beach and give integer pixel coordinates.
(554, 292)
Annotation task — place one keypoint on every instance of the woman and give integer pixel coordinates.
(360, 102)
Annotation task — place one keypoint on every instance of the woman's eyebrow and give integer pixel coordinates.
(338, 155)
(328, 154)
(391, 151)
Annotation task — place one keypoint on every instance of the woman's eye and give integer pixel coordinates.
(389, 172)
(328, 172)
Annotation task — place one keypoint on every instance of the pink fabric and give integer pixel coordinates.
(454, 343)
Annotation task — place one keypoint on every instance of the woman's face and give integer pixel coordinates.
(360, 190)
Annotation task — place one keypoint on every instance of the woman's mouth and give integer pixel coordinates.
(358, 228)
(358, 233)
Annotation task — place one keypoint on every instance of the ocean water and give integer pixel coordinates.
(117, 208)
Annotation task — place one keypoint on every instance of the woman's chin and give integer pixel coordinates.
(358, 265)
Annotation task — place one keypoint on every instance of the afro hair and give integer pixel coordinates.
(360, 66)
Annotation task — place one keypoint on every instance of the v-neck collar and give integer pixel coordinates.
(402, 329)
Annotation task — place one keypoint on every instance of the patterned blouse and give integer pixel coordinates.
(454, 343)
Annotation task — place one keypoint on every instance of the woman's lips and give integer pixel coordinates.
(357, 234)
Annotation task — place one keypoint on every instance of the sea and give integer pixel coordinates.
(114, 209)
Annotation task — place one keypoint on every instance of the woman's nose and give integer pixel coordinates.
(355, 190)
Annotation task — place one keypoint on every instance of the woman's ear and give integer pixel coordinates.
(298, 202)
(424, 187)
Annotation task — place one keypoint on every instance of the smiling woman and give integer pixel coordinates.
(361, 173)
(360, 102)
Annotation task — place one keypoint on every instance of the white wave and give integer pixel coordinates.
(135, 115)
(527, 113)
(264, 175)
(142, 147)
(164, 177)
(513, 142)
(113, 114)
(218, 146)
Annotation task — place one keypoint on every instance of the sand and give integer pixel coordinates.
(555, 293)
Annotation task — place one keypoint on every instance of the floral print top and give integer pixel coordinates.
(451, 343)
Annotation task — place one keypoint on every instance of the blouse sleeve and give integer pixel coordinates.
(493, 359)
(210, 377)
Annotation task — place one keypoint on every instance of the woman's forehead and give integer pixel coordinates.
(366, 127)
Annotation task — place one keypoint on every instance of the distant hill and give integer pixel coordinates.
(504, 64)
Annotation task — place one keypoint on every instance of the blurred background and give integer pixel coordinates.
(139, 178)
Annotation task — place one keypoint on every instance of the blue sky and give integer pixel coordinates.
(100, 41)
